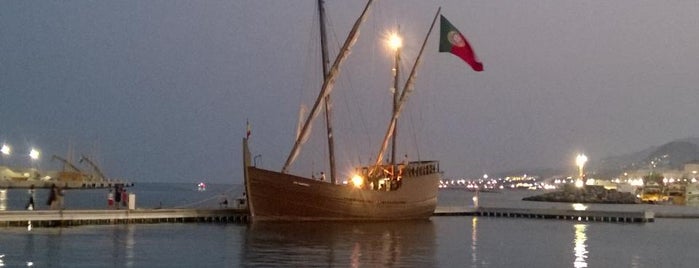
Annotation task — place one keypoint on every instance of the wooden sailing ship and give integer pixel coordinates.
(392, 191)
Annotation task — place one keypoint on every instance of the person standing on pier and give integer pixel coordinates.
(117, 196)
(124, 198)
(60, 193)
(52, 202)
(30, 204)
(110, 199)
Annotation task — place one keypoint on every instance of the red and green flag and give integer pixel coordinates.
(451, 40)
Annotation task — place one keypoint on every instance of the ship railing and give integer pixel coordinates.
(383, 177)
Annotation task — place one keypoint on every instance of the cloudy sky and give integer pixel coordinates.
(161, 90)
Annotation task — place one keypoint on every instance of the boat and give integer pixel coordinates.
(378, 191)
(653, 193)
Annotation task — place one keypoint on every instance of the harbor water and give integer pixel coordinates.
(449, 241)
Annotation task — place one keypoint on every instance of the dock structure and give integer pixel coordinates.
(62, 218)
(559, 214)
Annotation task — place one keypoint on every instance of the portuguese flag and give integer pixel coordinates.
(451, 40)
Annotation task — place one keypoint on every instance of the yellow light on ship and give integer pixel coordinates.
(394, 41)
(357, 181)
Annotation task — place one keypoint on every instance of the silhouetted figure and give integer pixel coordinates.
(30, 204)
(110, 199)
(60, 194)
(124, 198)
(117, 196)
(53, 197)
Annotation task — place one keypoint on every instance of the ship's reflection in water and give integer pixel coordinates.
(580, 248)
(353, 244)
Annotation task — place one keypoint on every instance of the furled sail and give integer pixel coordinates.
(299, 124)
(327, 85)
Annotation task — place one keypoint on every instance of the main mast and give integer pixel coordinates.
(327, 87)
(395, 42)
(328, 101)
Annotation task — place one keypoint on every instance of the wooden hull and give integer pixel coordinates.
(275, 196)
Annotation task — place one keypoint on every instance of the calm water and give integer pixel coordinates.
(439, 242)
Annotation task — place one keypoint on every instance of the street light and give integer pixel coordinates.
(6, 150)
(34, 154)
(580, 160)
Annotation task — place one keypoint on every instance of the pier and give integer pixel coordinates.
(558, 214)
(64, 218)
(61, 218)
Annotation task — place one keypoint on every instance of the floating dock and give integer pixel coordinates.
(559, 214)
(62, 218)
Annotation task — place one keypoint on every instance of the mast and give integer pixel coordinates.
(407, 89)
(327, 86)
(328, 101)
(396, 73)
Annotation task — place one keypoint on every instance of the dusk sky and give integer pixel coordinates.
(160, 91)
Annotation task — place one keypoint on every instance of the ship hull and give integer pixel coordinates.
(275, 196)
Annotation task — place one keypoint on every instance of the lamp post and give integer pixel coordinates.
(580, 161)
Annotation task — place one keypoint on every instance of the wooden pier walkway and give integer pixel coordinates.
(59, 218)
(55, 218)
(559, 214)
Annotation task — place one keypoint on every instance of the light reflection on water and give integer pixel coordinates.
(3, 199)
(474, 241)
(580, 248)
(441, 242)
(405, 243)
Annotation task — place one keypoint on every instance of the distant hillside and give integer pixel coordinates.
(672, 155)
